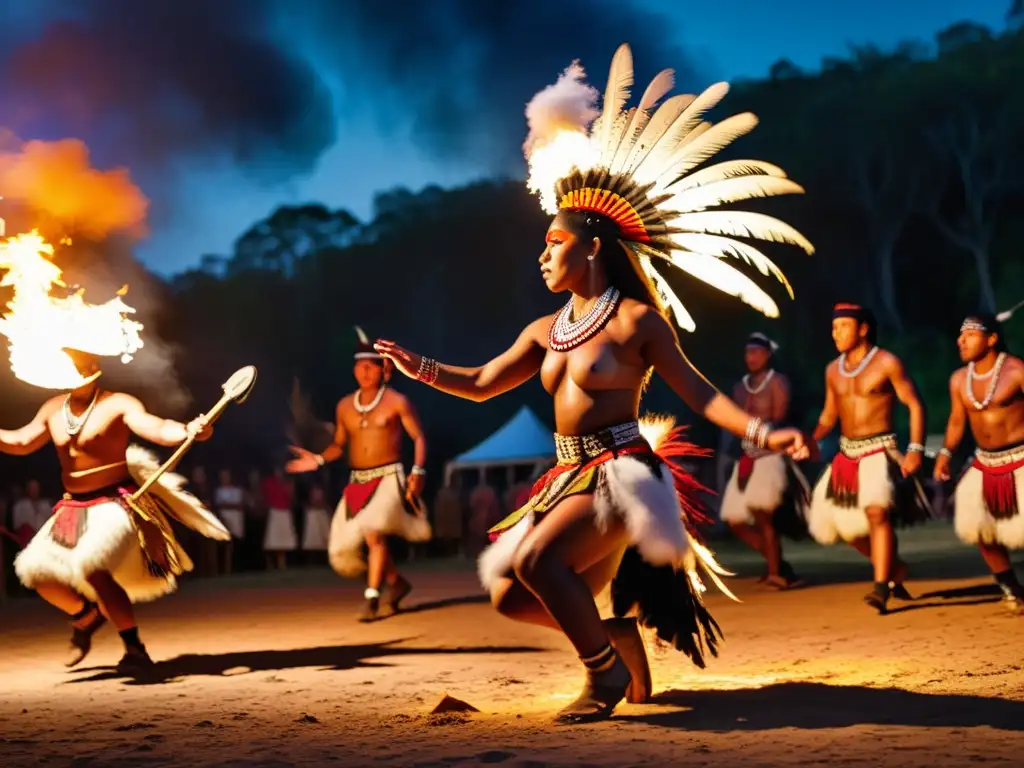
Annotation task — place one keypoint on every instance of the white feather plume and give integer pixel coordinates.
(730, 191)
(725, 278)
(729, 169)
(620, 78)
(742, 224)
(725, 247)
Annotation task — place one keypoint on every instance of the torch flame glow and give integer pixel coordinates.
(40, 327)
(556, 159)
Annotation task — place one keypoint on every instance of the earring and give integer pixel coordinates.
(590, 257)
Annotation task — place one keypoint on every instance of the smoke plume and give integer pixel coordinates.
(151, 83)
(568, 104)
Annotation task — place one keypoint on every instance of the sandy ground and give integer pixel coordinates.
(273, 671)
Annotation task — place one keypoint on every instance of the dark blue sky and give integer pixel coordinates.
(352, 131)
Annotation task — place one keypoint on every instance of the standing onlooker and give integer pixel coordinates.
(280, 538)
(316, 529)
(29, 513)
(255, 522)
(229, 500)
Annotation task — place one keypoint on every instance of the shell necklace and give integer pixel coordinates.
(993, 374)
(565, 334)
(843, 371)
(365, 409)
(73, 424)
(760, 387)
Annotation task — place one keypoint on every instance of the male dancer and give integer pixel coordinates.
(378, 501)
(756, 491)
(97, 554)
(988, 395)
(869, 485)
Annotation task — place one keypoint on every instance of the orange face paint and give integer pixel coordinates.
(558, 234)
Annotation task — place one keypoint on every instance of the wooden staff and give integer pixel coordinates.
(236, 389)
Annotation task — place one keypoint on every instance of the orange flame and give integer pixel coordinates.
(40, 327)
(56, 180)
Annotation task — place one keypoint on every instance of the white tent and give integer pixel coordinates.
(522, 441)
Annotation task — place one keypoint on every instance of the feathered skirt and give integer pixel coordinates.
(631, 473)
(373, 502)
(131, 540)
(767, 482)
(864, 474)
(988, 497)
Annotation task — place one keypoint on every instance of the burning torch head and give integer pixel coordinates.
(55, 342)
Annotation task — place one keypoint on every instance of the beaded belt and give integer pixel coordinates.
(1000, 458)
(575, 449)
(865, 445)
(360, 476)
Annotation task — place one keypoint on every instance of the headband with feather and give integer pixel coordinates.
(364, 349)
(636, 167)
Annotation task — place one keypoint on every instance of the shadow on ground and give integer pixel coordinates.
(820, 706)
(329, 658)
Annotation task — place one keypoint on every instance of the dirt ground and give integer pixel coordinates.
(272, 670)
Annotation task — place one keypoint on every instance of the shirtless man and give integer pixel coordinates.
(760, 479)
(869, 485)
(988, 395)
(88, 560)
(378, 501)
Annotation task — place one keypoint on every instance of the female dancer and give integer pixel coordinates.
(614, 510)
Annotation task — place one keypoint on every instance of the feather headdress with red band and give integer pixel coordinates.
(638, 168)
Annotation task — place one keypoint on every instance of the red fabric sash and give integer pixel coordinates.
(744, 469)
(844, 485)
(999, 488)
(70, 516)
(358, 495)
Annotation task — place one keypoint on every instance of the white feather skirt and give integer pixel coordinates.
(765, 490)
(110, 542)
(829, 523)
(646, 503)
(972, 519)
(385, 514)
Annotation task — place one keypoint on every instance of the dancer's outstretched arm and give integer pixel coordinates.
(660, 349)
(31, 437)
(165, 432)
(518, 364)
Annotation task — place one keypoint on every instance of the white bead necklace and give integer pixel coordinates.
(365, 409)
(993, 374)
(843, 371)
(760, 387)
(565, 334)
(72, 423)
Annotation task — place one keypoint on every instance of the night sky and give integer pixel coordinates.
(223, 115)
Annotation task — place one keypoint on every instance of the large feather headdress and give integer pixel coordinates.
(637, 167)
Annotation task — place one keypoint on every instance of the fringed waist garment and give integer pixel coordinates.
(632, 472)
(998, 484)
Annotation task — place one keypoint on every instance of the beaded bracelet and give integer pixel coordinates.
(757, 433)
(915, 448)
(428, 370)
